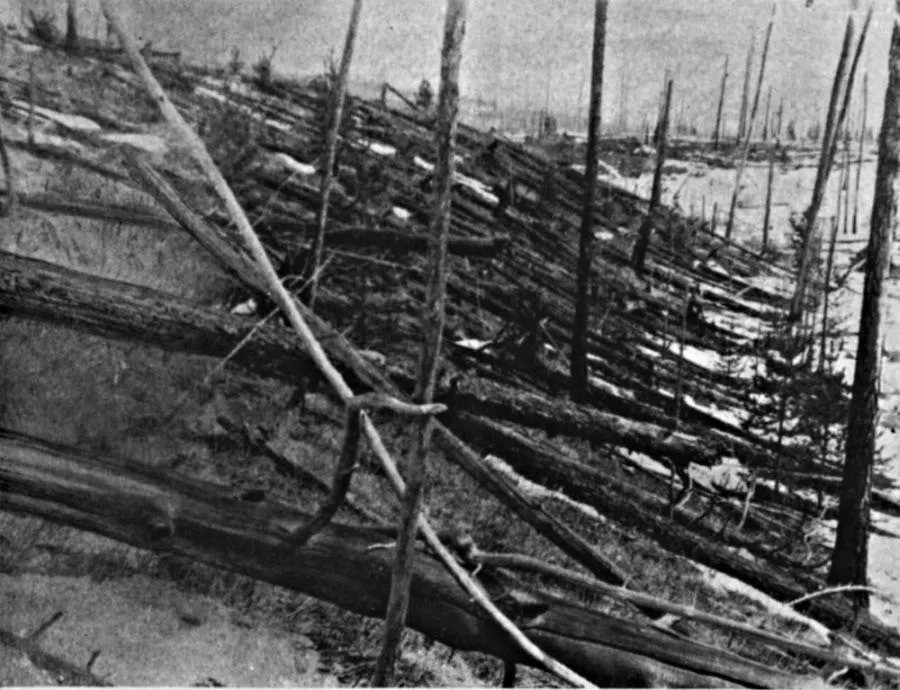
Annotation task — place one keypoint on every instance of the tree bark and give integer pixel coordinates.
(718, 128)
(331, 144)
(433, 313)
(580, 325)
(850, 558)
(639, 255)
(161, 511)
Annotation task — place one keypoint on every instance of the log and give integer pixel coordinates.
(488, 399)
(404, 241)
(36, 289)
(161, 511)
(584, 483)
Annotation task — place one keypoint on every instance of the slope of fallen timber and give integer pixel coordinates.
(662, 388)
(156, 510)
(114, 309)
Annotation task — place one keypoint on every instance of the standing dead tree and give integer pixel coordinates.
(432, 330)
(849, 562)
(833, 123)
(729, 226)
(718, 128)
(338, 95)
(71, 26)
(745, 92)
(579, 367)
(862, 140)
(639, 253)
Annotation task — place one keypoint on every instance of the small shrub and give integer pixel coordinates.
(43, 26)
(262, 70)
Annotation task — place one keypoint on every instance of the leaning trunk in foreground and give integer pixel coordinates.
(850, 558)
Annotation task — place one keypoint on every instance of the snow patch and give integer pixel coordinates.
(401, 213)
(377, 147)
(209, 93)
(76, 122)
(422, 163)
(146, 142)
(295, 166)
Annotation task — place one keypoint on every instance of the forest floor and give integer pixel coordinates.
(164, 620)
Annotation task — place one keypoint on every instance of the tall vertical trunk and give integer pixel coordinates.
(829, 148)
(432, 332)
(780, 117)
(765, 130)
(71, 26)
(717, 131)
(639, 254)
(729, 226)
(862, 139)
(331, 144)
(849, 560)
(768, 212)
(745, 93)
(579, 369)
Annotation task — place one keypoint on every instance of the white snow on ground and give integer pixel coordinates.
(733, 416)
(422, 163)
(377, 147)
(472, 343)
(708, 359)
(604, 235)
(401, 213)
(76, 122)
(294, 166)
(480, 188)
(610, 388)
(278, 124)
(741, 325)
(146, 142)
(210, 93)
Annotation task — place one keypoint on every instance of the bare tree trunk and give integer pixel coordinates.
(829, 148)
(718, 129)
(432, 329)
(729, 226)
(850, 557)
(71, 27)
(768, 213)
(862, 139)
(639, 254)
(331, 143)
(579, 367)
(745, 94)
(765, 130)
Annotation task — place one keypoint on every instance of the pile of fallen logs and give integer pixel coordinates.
(509, 322)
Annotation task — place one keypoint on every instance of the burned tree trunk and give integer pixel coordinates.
(579, 367)
(850, 558)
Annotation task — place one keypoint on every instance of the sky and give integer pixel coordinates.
(532, 53)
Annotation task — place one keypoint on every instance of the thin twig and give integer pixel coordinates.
(831, 590)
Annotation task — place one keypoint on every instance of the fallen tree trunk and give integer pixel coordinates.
(37, 289)
(557, 417)
(40, 290)
(400, 240)
(584, 483)
(161, 511)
